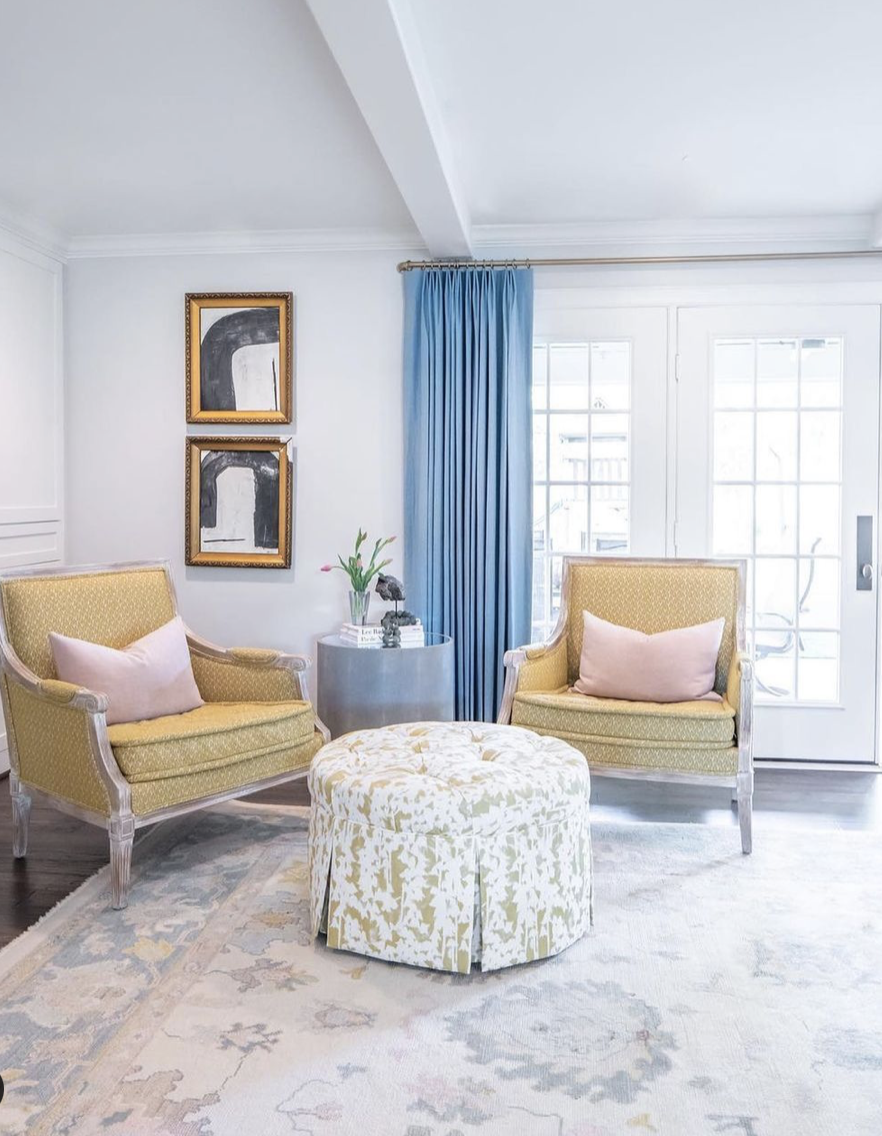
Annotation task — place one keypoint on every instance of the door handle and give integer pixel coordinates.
(865, 572)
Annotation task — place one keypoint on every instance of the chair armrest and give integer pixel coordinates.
(264, 657)
(249, 674)
(58, 740)
(541, 666)
(51, 689)
(69, 694)
(739, 695)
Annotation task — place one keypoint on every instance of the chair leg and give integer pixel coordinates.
(745, 811)
(21, 815)
(122, 836)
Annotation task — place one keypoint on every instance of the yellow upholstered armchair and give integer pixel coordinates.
(256, 729)
(704, 742)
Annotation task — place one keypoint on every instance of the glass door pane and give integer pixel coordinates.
(777, 467)
(599, 476)
(777, 455)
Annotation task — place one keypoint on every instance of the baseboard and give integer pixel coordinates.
(822, 766)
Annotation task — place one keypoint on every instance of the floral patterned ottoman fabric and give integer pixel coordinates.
(406, 818)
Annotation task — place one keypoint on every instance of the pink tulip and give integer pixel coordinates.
(327, 568)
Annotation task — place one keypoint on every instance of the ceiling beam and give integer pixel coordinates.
(377, 48)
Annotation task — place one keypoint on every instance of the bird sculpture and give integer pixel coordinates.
(391, 589)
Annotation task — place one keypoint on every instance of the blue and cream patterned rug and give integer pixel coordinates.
(717, 994)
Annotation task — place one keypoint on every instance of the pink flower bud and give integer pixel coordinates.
(327, 568)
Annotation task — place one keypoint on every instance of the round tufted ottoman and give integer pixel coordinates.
(441, 845)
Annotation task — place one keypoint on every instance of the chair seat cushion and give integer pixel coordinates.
(700, 724)
(212, 736)
(166, 792)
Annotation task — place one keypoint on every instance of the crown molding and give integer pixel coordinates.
(31, 234)
(718, 235)
(268, 240)
(597, 238)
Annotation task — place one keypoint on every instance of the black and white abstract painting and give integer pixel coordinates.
(239, 502)
(239, 357)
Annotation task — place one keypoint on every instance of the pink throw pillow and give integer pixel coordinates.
(670, 666)
(150, 678)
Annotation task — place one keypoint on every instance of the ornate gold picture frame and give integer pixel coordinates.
(240, 352)
(238, 502)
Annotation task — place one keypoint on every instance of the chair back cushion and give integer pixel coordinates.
(653, 597)
(113, 607)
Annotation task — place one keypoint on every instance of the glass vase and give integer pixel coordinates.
(359, 602)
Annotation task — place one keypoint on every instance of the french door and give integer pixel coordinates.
(778, 463)
(599, 441)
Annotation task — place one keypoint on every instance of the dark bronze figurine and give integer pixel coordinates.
(391, 589)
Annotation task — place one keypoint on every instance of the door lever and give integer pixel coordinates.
(865, 572)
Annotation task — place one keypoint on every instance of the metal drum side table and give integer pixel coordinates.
(363, 687)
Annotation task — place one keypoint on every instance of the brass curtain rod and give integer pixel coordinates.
(588, 261)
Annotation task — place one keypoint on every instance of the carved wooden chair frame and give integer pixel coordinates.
(122, 822)
(740, 782)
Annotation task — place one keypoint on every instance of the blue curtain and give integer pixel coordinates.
(468, 468)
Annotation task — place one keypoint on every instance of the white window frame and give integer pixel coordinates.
(542, 627)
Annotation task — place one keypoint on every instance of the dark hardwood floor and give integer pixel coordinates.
(64, 852)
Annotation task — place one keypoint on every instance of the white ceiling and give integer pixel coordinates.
(566, 110)
(220, 116)
(152, 116)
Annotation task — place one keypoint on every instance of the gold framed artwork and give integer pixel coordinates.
(238, 502)
(240, 351)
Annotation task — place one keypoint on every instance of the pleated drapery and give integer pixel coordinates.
(468, 468)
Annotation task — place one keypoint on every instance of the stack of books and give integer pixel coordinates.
(371, 635)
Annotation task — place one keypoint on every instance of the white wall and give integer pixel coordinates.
(125, 407)
(31, 412)
(126, 427)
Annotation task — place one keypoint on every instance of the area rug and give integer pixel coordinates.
(717, 993)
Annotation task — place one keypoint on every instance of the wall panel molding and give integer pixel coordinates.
(31, 407)
(29, 545)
